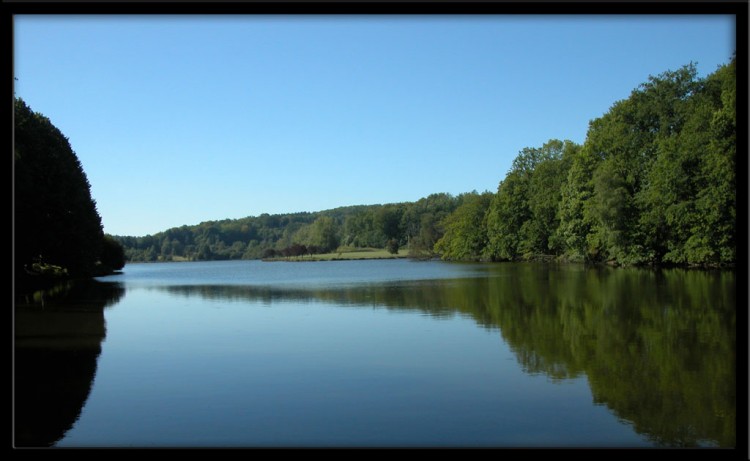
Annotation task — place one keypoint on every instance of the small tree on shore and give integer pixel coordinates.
(392, 246)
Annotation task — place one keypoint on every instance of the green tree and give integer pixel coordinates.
(574, 215)
(651, 183)
(465, 235)
(421, 223)
(523, 214)
(713, 237)
(55, 218)
(640, 141)
(544, 196)
(508, 212)
(361, 229)
(388, 219)
(324, 234)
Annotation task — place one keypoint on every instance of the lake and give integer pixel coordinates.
(378, 353)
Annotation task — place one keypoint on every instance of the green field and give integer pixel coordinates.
(347, 254)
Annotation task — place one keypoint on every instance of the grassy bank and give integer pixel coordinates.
(346, 254)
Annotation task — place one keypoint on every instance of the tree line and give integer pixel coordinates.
(57, 230)
(654, 183)
(413, 225)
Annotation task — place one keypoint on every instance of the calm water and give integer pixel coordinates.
(389, 353)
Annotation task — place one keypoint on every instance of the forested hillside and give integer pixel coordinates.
(653, 183)
(416, 225)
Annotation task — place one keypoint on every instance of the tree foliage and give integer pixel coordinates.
(465, 235)
(55, 221)
(113, 254)
(386, 226)
(523, 215)
(653, 183)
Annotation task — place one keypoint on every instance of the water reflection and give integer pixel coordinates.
(58, 336)
(657, 347)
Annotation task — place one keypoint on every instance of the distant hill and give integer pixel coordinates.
(416, 225)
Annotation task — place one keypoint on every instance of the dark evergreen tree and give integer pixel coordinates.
(55, 220)
(112, 255)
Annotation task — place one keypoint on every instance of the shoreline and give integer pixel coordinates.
(360, 255)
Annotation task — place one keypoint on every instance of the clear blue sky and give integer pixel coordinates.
(183, 119)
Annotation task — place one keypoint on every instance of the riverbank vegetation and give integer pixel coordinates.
(57, 230)
(654, 183)
(340, 254)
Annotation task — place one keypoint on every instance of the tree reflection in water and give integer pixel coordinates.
(58, 336)
(657, 346)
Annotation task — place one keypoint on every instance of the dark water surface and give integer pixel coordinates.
(389, 353)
